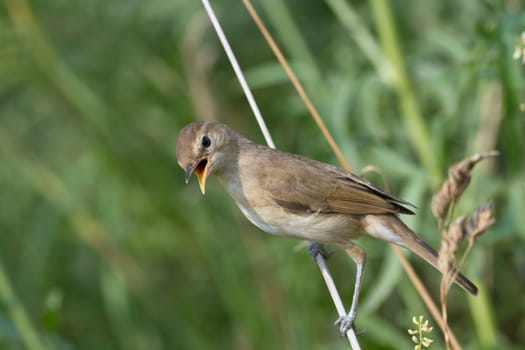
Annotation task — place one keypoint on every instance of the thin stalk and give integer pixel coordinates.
(282, 20)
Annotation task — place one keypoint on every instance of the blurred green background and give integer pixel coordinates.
(103, 246)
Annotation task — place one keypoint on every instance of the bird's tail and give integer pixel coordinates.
(405, 237)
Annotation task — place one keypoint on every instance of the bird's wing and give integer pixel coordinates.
(317, 187)
(354, 194)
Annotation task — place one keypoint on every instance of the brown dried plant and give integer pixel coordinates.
(456, 183)
(454, 234)
(481, 219)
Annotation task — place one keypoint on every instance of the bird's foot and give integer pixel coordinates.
(315, 248)
(346, 322)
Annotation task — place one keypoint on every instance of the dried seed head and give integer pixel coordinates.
(457, 181)
(449, 246)
(481, 219)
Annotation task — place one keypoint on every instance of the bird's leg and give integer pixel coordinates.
(315, 248)
(359, 256)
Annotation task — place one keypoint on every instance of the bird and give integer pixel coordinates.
(294, 196)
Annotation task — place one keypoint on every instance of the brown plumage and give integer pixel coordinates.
(291, 195)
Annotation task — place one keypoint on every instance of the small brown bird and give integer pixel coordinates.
(290, 195)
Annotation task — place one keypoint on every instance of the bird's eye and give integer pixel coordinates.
(206, 142)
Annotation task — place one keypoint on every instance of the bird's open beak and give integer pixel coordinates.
(201, 170)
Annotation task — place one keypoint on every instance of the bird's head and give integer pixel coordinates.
(202, 148)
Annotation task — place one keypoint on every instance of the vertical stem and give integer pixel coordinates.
(411, 113)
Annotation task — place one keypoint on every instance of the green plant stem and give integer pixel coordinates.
(411, 113)
(389, 63)
(18, 314)
(483, 319)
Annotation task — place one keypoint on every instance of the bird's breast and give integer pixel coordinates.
(248, 204)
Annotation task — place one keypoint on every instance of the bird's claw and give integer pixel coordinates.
(315, 248)
(345, 323)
